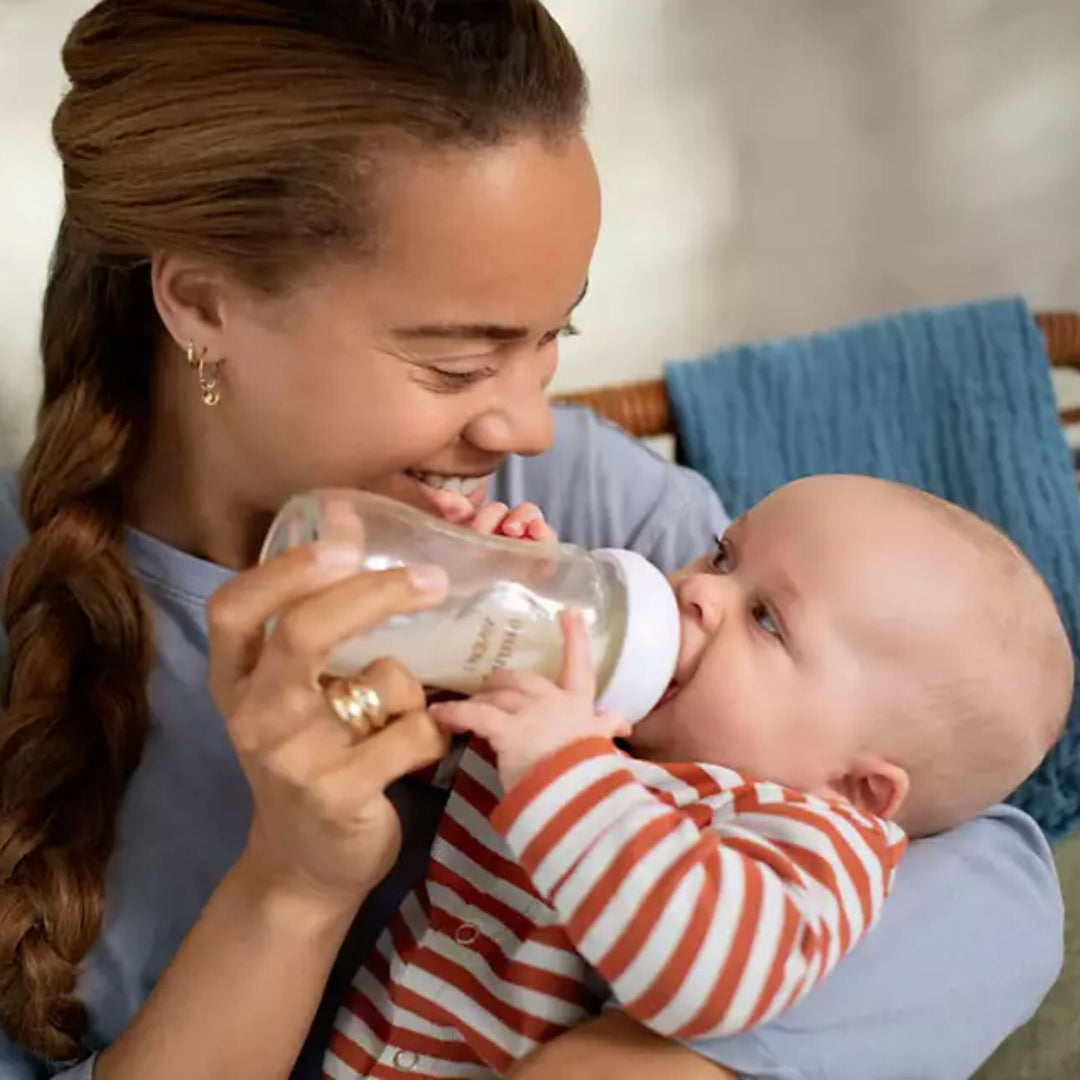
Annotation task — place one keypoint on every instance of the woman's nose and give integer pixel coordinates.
(519, 421)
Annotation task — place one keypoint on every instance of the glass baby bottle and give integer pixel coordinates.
(503, 604)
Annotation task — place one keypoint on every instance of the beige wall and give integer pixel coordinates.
(778, 165)
(769, 166)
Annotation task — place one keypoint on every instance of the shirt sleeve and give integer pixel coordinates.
(707, 902)
(969, 943)
(598, 487)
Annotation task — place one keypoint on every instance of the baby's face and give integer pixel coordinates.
(788, 632)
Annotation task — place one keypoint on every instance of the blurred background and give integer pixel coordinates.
(769, 167)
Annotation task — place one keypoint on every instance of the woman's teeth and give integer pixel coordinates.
(466, 485)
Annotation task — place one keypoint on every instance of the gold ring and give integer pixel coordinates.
(356, 704)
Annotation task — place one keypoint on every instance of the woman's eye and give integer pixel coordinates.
(763, 617)
(569, 330)
(459, 380)
(720, 560)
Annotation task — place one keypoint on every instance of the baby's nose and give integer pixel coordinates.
(702, 598)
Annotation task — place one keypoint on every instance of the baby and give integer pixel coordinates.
(859, 660)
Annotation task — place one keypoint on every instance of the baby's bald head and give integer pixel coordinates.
(962, 643)
(995, 669)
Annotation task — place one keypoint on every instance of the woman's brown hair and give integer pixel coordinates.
(246, 131)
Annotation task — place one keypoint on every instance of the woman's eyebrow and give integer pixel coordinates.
(474, 331)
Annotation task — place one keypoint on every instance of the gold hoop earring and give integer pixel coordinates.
(209, 386)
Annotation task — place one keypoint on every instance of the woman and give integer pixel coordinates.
(334, 243)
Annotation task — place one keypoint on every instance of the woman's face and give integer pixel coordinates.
(426, 365)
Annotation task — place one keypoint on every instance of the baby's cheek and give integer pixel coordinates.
(692, 736)
(661, 736)
(705, 727)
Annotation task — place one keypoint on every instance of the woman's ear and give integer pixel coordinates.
(190, 296)
(874, 786)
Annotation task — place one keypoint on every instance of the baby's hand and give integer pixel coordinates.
(526, 717)
(524, 522)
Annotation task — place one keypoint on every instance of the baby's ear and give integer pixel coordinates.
(874, 786)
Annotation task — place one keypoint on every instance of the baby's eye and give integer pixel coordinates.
(763, 617)
(720, 560)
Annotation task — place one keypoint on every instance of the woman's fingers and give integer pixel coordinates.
(397, 689)
(300, 721)
(315, 613)
(410, 742)
(238, 611)
(324, 807)
(299, 646)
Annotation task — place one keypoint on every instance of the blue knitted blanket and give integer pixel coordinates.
(957, 401)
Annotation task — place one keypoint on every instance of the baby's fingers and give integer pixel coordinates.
(539, 531)
(489, 518)
(475, 717)
(576, 674)
(526, 683)
(453, 506)
(522, 520)
(613, 726)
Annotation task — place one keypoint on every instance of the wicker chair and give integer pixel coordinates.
(642, 407)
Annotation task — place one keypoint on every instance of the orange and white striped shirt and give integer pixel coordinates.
(705, 903)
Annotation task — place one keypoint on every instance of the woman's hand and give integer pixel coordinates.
(322, 825)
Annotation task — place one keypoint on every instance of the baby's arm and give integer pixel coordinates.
(708, 903)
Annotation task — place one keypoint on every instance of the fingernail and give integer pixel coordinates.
(429, 578)
(512, 528)
(339, 557)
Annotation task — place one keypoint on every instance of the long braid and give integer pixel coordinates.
(78, 649)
